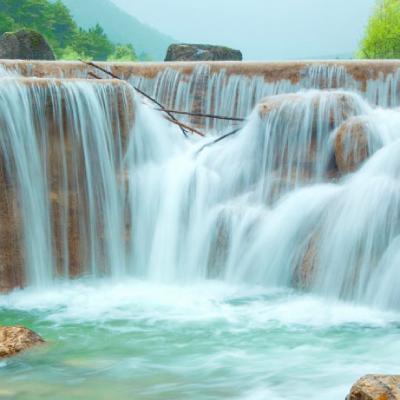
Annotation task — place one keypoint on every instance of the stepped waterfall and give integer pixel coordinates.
(275, 249)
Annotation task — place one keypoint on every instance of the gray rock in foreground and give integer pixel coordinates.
(25, 45)
(14, 339)
(201, 52)
(376, 387)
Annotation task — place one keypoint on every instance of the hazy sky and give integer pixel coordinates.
(262, 29)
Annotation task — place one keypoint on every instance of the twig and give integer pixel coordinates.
(212, 116)
(100, 69)
(219, 139)
(184, 126)
(93, 75)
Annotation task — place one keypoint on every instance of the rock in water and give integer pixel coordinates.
(14, 339)
(353, 144)
(376, 387)
(25, 45)
(202, 52)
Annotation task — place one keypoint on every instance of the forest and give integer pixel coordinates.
(55, 22)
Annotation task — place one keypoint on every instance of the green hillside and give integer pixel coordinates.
(68, 40)
(119, 26)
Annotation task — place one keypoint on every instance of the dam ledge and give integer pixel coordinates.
(360, 70)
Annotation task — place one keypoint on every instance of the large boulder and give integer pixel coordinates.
(376, 387)
(201, 52)
(25, 45)
(301, 124)
(354, 143)
(14, 339)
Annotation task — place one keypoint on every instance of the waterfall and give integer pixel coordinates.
(231, 94)
(262, 207)
(62, 156)
(24, 169)
(306, 195)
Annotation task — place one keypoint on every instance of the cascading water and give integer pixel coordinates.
(62, 150)
(231, 94)
(253, 267)
(248, 208)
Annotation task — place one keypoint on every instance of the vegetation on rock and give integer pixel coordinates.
(55, 22)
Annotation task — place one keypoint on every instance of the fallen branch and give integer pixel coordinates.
(219, 139)
(93, 75)
(211, 116)
(184, 126)
(172, 117)
(100, 69)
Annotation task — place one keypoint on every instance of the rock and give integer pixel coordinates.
(305, 272)
(353, 144)
(221, 244)
(335, 106)
(25, 45)
(376, 387)
(302, 123)
(13, 340)
(201, 52)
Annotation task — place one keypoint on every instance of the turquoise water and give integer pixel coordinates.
(136, 340)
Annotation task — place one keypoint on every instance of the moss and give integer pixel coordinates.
(31, 42)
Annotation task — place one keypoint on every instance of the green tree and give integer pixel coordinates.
(11, 7)
(123, 53)
(69, 54)
(32, 14)
(382, 37)
(63, 25)
(93, 43)
(7, 24)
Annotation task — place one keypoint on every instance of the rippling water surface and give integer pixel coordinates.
(136, 340)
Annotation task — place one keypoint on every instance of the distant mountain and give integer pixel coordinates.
(120, 26)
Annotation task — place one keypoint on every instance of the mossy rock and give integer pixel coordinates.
(202, 52)
(25, 44)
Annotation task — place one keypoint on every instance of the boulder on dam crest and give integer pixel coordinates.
(15, 339)
(25, 44)
(202, 52)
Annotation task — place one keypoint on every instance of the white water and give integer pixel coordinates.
(63, 140)
(235, 95)
(210, 340)
(220, 214)
(159, 206)
(194, 257)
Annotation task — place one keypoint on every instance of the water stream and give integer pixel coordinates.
(166, 267)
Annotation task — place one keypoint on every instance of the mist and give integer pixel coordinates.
(262, 29)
